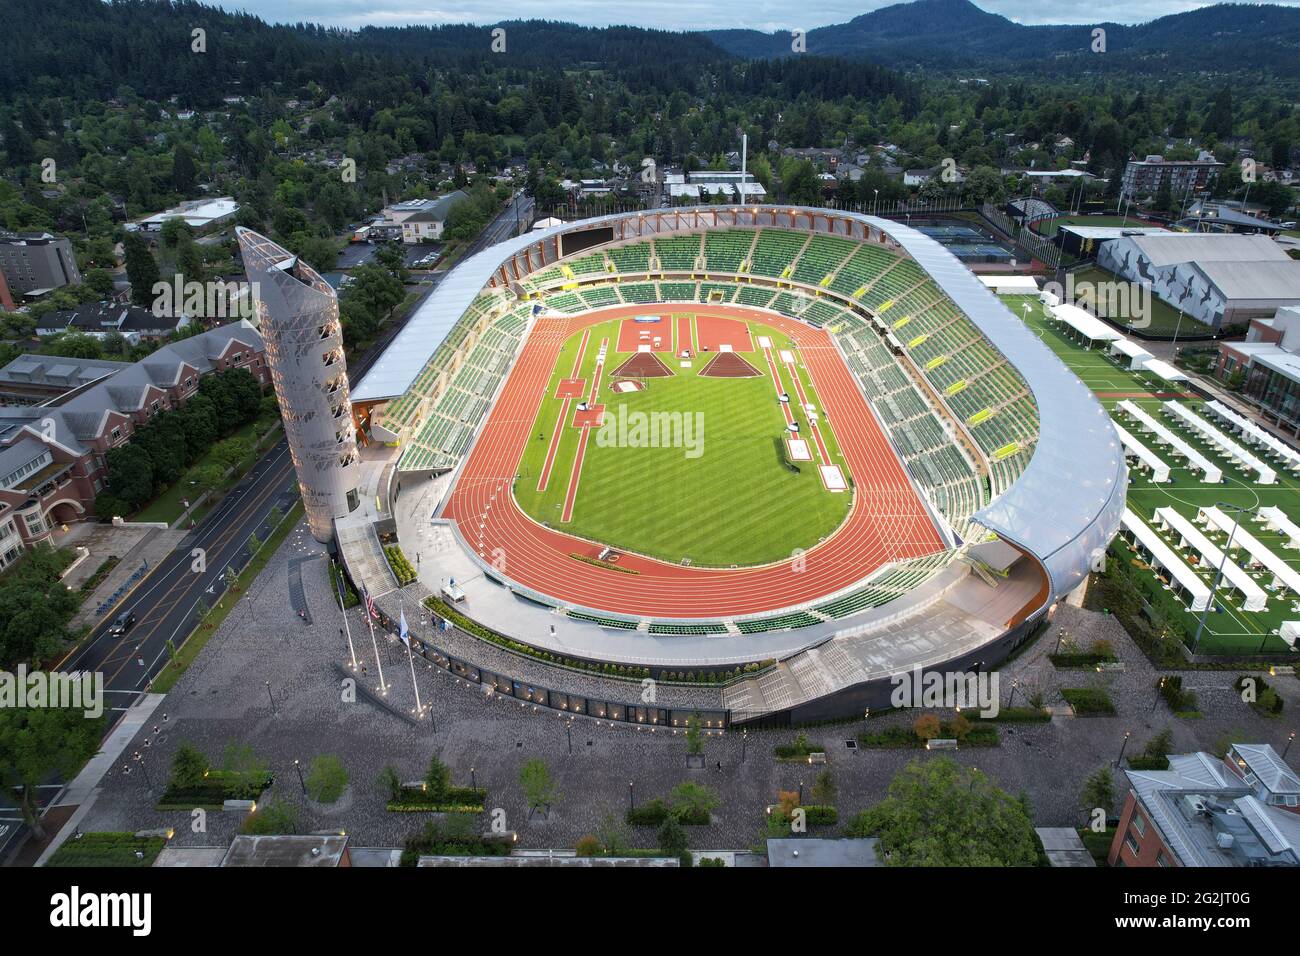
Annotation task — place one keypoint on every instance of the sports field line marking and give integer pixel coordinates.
(575, 477)
(545, 477)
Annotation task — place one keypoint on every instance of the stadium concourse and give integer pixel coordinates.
(957, 427)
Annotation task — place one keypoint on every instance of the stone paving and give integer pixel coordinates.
(267, 679)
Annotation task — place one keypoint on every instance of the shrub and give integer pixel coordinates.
(1266, 702)
(402, 569)
(927, 727)
(1179, 700)
(587, 846)
(651, 814)
(1088, 701)
(274, 819)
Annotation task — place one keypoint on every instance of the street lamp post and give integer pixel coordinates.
(473, 780)
(274, 712)
(298, 766)
(1123, 747)
(631, 795)
(1288, 744)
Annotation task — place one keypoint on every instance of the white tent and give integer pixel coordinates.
(1137, 356)
(1159, 470)
(1085, 323)
(1164, 371)
(1011, 285)
(1253, 596)
(1198, 593)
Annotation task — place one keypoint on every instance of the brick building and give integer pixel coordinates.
(1243, 810)
(52, 463)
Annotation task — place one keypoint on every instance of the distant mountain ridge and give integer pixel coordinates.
(957, 33)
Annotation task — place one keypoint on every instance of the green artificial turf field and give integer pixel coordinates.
(1234, 631)
(736, 503)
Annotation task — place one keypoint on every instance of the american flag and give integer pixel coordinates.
(370, 602)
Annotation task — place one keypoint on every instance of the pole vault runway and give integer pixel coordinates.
(888, 522)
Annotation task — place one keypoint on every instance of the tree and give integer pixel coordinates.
(938, 813)
(189, 765)
(539, 788)
(141, 268)
(390, 782)
(823, 788)
(1160, 745)
(1098, 791)
(183, 170)
(694, 740)
(437, 779)
(327, 779)
(37, 743)
(692, 801)
(130, 475)
(672, 838)
(206, 478)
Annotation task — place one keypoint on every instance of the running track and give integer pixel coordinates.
(887, 522)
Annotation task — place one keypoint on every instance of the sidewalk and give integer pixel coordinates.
(84, 788)
(154, 545)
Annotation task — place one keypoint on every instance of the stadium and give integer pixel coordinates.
(795, 451)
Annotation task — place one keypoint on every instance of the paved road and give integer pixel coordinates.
(165, 603)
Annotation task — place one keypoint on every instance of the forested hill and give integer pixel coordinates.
(1223, 38)
(90, 48)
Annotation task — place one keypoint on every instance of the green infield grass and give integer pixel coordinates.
(721, 495)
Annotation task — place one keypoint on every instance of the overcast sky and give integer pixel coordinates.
(764, 15)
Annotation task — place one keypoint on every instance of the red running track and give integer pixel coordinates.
(887, 522)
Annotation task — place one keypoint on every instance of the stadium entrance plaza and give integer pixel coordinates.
(223, 697)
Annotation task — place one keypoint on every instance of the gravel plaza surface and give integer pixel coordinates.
(225, 696)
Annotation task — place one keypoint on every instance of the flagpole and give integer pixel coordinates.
(347, 628)
(383, 687)
(410, 658)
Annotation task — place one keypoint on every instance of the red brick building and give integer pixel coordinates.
(1243, 810)
(52, 463)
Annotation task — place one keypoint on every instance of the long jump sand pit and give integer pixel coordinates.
(729, 365)
(643, 365)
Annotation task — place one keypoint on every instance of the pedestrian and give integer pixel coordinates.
(719, 766)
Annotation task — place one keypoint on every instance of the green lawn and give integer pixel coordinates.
(734, 503)
(1234, 631)
(168, 506)
(1165, 319)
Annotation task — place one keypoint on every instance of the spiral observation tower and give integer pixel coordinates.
(298, 314)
